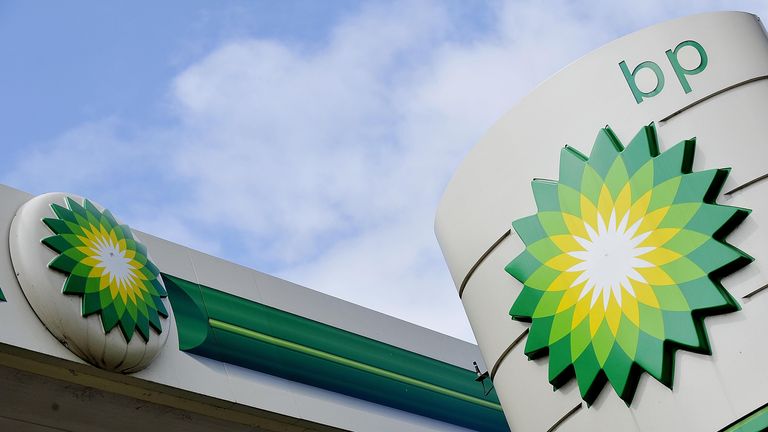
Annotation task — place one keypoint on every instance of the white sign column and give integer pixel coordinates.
(704, 76)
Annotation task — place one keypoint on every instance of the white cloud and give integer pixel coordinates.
(324, 165)
(305, 141)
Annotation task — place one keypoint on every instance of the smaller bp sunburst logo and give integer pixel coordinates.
(622, 263)
(107, 267)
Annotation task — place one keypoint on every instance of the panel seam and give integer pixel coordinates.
(757, 291)
(711, 95)
(565, 417)
(480, 260)
(506, 352)
(747, 184)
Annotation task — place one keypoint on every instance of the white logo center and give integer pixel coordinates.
(113, 260)
(610, 259)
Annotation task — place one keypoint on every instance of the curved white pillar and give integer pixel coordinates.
(723, 102)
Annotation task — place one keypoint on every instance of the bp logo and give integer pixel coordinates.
(107, 267)
(622, 262)
(85, 275)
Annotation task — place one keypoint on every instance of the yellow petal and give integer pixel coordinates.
(563, 281)
(660, 256)
(569, 299)
(605, 203)
(588, 212)
(653, 219)
(623, 202)
(90, 261)
(613, 315)
(562, 262)
(629, 307)
(566, 242)
(659, 237)
(639, 208)
(644, 294)
(575, 226)
(582, 308)
(596, 314)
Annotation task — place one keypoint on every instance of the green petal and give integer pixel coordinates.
(681, 270)
(678, 216)
(651, 321)
(642, 181)
(683, 330)
(57, 243)
(560, 364)
(128, 234)
(75, 284)
(545, 193)
(561, 327)
(627, 337)
(92, 212)
(523, 266)
(605, 151)
(159, 289)
(542, 278)
(63, 263)
(110, 220)
(544, 250)
(537, 344)
(109, 318)
(702, 186)
(705, 295)
(570, 200)
(587, 371)
(671, 298)
(127, 326)
(581, 339)
(618, 367)
(716, 220)
(548, 304)
(91, 304)
(663, 195)
(63, 213)
(591, 184)
(160, 307)
(651, 357)
(602, 343)
(673, 162)
(572, 164)
(529, 229)
(57, 226)
(640, 151)
(617, 177)
(525, 305)
(142, 325)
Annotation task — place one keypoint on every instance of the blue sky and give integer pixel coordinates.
(307, 139)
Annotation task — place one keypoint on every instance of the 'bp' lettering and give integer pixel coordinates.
(681, 72)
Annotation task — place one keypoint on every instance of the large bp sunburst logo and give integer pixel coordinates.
(107, 267)
(622, 262)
